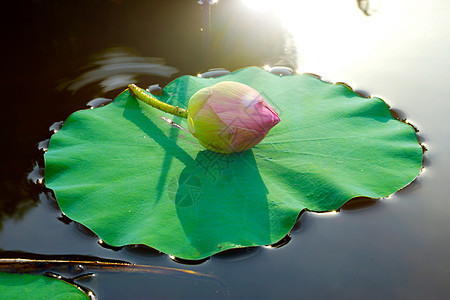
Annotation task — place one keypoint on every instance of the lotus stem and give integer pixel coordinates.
(143, 96)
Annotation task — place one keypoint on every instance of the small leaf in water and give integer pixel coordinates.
(26, 286)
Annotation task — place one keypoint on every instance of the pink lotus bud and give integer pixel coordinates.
(230, 117)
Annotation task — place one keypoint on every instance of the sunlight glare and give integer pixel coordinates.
(261, 5)
(330, 35)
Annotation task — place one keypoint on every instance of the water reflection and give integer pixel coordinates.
(359, 203)
(240, 37)
(115, 68)
(143, 251)
(188, 261)
(237, 254)
(15, 201)
(19, 194)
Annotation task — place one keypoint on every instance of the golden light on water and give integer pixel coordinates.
(261, 5)
(333, 35)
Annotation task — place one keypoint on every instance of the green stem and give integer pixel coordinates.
(143, 96)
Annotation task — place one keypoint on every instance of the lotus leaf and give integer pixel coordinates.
(135, 175)
(27, 286)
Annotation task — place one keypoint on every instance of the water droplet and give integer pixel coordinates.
(97, 102)
(55, 127)
(36, 175)
(155, 89)
(281, 71)
(43, 145)
(213, 73)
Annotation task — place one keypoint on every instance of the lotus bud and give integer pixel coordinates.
(230, 117)
(227, 117)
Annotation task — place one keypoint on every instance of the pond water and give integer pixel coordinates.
(60, 55)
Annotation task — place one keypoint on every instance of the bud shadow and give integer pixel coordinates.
(221, 202)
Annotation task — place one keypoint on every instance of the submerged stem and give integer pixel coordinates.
(141, 95)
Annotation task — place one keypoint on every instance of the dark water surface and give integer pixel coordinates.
(59, 55)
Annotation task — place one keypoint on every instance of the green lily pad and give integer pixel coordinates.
(26, 286)
(130, 174)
